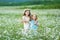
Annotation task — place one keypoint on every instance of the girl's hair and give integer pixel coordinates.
(36, 17)
(26, 11)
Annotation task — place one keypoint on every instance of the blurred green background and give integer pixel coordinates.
(38, 4)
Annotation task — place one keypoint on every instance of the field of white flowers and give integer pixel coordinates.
(11, 26)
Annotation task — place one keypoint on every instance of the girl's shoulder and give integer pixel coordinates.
(37, 21)
(23, 16)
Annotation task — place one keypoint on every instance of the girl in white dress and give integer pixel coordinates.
(26, 19)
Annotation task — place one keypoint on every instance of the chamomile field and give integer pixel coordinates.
(11, 26)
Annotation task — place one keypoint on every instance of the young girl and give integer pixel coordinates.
(34, 23)
(26, 19)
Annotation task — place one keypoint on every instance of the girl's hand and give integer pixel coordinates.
(24, 21)
(36, 23)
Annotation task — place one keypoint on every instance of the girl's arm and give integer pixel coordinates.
(37, 23)
(24, 20)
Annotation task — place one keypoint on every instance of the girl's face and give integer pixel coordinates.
(34, 17)
(27, 13)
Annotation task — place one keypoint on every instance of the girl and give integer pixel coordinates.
(34, 23)
(26, 19)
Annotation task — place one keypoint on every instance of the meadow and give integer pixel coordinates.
(11, 26)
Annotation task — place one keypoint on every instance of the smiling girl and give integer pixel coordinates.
(25, 20)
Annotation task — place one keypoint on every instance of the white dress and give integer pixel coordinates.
(26, 25)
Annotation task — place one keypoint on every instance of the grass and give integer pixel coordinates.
(11, 26)
(39, 6)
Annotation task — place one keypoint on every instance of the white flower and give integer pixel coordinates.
(0, 35)
(5, 31)
(48, 30)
